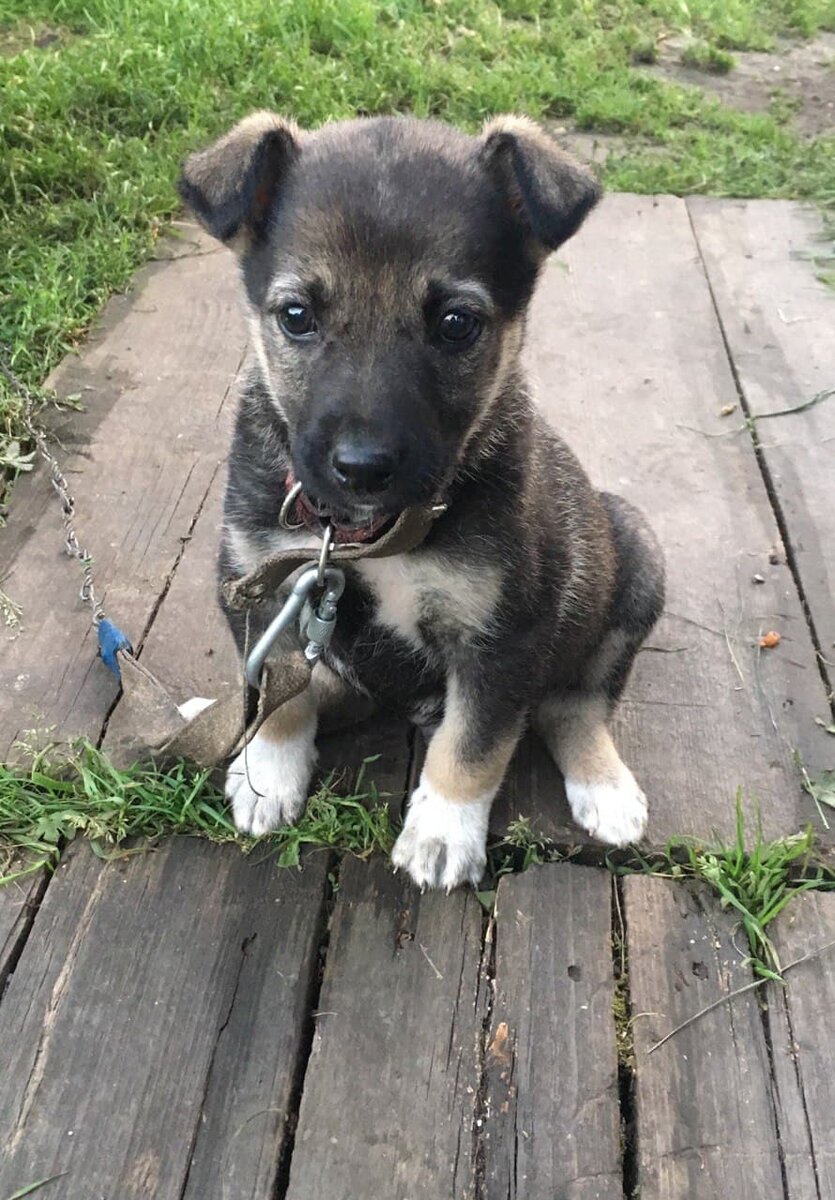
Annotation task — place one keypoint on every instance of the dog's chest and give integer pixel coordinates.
(427, 600)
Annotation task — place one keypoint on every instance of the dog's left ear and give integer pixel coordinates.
(551, 192)
(232, 185)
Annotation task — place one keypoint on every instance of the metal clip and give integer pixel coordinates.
(325, 553)
(284, 512)
(316, 626)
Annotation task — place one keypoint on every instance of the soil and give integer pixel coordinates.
(798, 74)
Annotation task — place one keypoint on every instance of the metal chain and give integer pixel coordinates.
(56, 477)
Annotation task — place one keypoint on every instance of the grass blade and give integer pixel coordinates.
(33, 1187)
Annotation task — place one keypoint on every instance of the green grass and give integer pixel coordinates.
(33, 1187)
(705, 57)
(755, 883)
(121, 812)
(95, 119)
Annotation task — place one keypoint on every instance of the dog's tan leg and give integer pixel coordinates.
(267, 784)
(601, 790)
(444, 838)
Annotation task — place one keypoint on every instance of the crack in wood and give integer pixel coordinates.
(201, 1107)
(487, 989)
(766, 1013)
(15, 943)
(626, 1070)
(288, 1137)
(774, 1092)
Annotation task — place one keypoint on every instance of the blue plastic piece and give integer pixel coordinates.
(111, 641)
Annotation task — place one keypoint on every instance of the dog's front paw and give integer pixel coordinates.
(443, 843)
(267, 784)
(613, 812)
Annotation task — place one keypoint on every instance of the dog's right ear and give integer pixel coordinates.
(549, 192)
(231, 186)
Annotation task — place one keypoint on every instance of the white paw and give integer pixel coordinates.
(443, 842)
(267, 783)
(189, 710)
(612, 812)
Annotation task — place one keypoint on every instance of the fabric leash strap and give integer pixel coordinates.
(407, 532)
(224, 728)
(219, 731)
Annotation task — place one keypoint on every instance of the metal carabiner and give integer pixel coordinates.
(334, 583)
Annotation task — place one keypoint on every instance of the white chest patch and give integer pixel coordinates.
(249, 550)
(411, 588)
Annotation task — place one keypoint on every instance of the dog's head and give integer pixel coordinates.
(388, 264)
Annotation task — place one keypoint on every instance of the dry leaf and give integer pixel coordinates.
(822, 789)
(769, 640)
(499, 1049)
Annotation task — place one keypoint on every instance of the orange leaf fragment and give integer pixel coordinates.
(769, 640)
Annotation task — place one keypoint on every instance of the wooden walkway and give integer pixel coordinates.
(194, 1025)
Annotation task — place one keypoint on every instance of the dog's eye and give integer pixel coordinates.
(297, 320)
(459, 326)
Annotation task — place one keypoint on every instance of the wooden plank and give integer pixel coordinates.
(390, 1091)
(552, 1117)
(800, 1023)
(160, 1001)
(624, 340)
(155, 384)
(705, 1117)
(778, 317)
(249, 1107)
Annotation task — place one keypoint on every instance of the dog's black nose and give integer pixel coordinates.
(363, 466)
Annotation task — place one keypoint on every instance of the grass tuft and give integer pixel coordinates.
(757, 883)
(52, 801)
(705, 57)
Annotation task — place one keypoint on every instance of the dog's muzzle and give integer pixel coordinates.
(300, 512)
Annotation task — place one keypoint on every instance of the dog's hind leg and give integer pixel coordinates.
(602, 792)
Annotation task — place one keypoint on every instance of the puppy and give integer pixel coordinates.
(388, 265)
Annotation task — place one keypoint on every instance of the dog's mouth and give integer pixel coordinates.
(346, 526)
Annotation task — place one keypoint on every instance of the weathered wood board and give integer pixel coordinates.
(389, 1098)
(551, 1123)
(159, 1007)
(803, 1049)
(156, 381)
(632, 370)
(779, 320)
(706, 1125)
